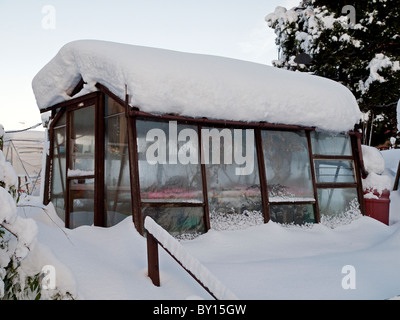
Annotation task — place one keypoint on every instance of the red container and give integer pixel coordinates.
(378, 208)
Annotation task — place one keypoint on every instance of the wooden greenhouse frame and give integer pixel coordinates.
(133, 114)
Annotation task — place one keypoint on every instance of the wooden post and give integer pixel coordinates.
(152, 259)
(263, 176)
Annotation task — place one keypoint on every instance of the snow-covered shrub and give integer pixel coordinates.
(20, 278)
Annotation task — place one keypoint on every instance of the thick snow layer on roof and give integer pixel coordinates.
(163, 81)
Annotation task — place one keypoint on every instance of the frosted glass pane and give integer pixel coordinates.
(292, 213)
(334, 171)
(229, 189)
(58, 172)
(287, 164)
(178, 220)
(163, 176)
(82, 202)
(336, 200)
(117, 190)
(83, 139)
(327, 144)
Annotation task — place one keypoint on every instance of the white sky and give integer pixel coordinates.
(231, 28)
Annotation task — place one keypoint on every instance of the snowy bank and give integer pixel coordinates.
(268, 261)
(163, 81)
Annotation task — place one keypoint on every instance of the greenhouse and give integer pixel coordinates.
(195, 149)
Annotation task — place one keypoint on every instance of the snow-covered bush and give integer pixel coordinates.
(360, 51)
(20, 278)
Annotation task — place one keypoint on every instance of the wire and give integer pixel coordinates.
(22, 130)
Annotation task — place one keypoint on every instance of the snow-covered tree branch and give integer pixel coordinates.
(362, 54)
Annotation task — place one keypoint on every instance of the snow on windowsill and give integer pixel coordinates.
(79, 173)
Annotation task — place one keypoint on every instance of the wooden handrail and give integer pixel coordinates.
(156, 235)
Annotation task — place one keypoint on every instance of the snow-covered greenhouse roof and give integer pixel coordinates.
(163, 81)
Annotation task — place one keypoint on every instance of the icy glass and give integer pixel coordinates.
(231, 190)
(83, 139)
(82, 202)
(58, 172)
(117, 190)
(178, 221)
(292, 213)
(287, 163)
(327, 144)
(335, 201)
(334, 171)
(169, 163)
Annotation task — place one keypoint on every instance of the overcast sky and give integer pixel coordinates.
(32, 32)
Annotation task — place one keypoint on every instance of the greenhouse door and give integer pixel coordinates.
(81, 168)
(73, 164)
(88, 171)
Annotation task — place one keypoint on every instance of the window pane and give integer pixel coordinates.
(61, 121)
(287, 164)
(169, 165)
(334, 171)
(335, 201)
(116, 171)
(292, 213)
(82, 140)
(58, 172)
(232, 175)
(326, 144)
(82, 202)
(112, 107)
(178, 220)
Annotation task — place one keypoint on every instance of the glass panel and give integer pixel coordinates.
(287, 164)
(232, 171)
(82, 141)
(81, 202)
(58, 172)
(112, 107)
(292, 213)
(61, 121)
(117, 180)
(334, 171)
(178, 221)
(169, 166)
(335, 201)
(326, 144)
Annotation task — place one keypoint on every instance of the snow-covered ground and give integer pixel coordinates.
(268, 261)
